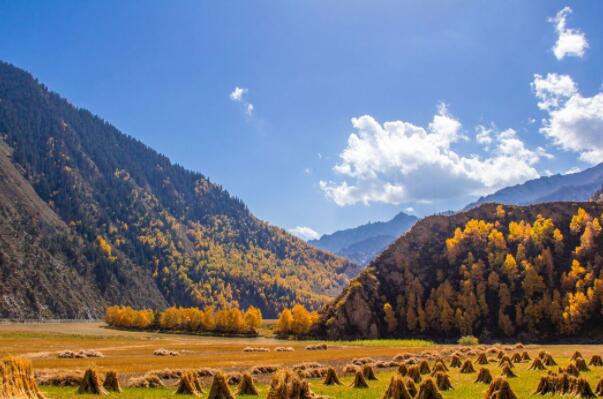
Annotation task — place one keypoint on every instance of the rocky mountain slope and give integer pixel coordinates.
(361, 244)
(570, 187)
(90, 216)
(533, 272)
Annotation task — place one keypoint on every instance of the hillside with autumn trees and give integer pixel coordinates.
(496, 272)
(91, 217)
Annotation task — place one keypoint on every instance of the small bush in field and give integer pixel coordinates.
(468, 340)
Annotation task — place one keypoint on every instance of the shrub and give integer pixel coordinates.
(468, 340)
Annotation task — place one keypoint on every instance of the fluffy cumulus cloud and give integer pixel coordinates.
(305, 233)
(573, 122)
(570, 42)
(397, 162)
(238, 95)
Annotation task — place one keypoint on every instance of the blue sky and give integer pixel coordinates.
(456, 79)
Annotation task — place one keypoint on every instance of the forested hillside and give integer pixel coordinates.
(494, 272)
(129, 227)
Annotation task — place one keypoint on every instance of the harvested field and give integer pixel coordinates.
(130, 354)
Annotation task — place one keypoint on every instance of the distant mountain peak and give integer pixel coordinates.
(361, 244)
(579, 186)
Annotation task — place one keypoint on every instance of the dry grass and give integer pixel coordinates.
(131, 355)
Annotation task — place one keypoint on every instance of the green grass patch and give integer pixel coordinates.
(385, 342)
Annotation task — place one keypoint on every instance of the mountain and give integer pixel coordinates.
(527, 272)
(361, 244)
(571, 187)
(90, 217)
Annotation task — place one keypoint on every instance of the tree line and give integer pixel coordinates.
(191, 319)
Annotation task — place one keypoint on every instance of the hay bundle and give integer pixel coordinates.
(385, 364)
(219, 388)
(189, 385)
(167, 374)
(284, 349)
(402, 370)
(582, 389)
(565, 384)
(455, 361)
(519, 345)
(17, 379)
(350, 369)
(247, 386)
(288, 385)
(443, 382)
(492, 351)
(467, 367)
(254, 349)
(331, 377)
(359, 380)
(505, 360)
(516, 358)
(263, 369)
(146, 381)
(596, 361)
(402, 356)
(525, 356)
(369, 372)
(59, 378)
(576, 355)
(312, 373)
(412, 387)
(307, 366)
(500, 354)
(439, 368)
(548, 360)
(599, 387)
(571, 369)
(316, 347)
(397, 389)
(165, 352)
(507, 372)
(500, 389)
(205, 372)
(484, 376)
(111, 382)
(414, 374)
(440, 362)
(233, 379)
(428, 390)
(546, 385)
(362, 361)
(424, 367)
(482, 358)
(537, 365)
(581, 364)
(91, 383)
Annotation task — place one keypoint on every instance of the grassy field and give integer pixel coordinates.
(131, 354)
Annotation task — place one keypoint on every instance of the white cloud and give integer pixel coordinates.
(571, 171)
(484, 136)
(305, 233)
(570, 42)
(574, 123)
(237, 94)
(409, 209)
(553, 90)
(400, 162)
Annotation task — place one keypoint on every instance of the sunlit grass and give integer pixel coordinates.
(386, 342)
